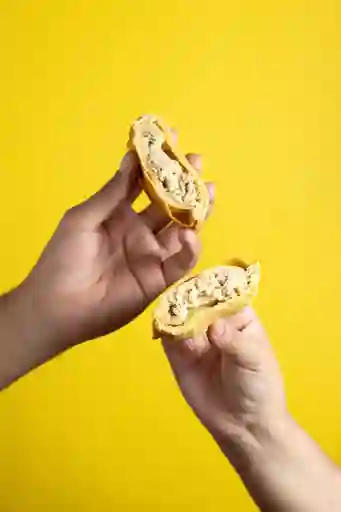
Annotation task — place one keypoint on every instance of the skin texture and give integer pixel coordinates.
(231, 379)
(103, 266)
(221, 375)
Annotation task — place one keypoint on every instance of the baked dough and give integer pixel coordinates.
(193, 304)
(167, 176)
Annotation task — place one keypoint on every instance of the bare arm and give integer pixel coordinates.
(285, 471)
(26, 339)
(102, 267)
(231, 379)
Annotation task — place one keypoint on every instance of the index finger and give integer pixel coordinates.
(125, 185)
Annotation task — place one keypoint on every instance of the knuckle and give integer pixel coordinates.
(71, 216)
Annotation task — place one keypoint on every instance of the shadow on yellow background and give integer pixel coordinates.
(255, 87)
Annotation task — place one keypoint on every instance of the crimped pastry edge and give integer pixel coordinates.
(186, 216)
(207, 315)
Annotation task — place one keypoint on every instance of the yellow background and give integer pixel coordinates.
(256, 87)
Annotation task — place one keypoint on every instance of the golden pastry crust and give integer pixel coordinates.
(193, 304)
(167, 176)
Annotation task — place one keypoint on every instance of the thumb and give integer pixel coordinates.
(248, 345)
(125, 185)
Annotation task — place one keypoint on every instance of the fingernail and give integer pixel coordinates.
(174, 135)
(219, 328)
(197, 161)
(211, 191)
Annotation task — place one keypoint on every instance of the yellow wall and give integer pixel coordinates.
(256, 87)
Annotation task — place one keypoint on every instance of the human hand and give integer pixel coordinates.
(231, 380)
(106, 263)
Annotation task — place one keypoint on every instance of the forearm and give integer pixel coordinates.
(26, 339)
(285, 471)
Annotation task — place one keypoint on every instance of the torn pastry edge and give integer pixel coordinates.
(186, 216)
(204, 316)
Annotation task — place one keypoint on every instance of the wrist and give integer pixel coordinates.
(39, 319)
(247, 446)
(283, 469)
(26, 337)
(22, 317)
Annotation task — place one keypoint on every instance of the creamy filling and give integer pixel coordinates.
(175, 180)
(207, 289)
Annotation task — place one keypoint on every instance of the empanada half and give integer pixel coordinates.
(193, 304)
(168, 178)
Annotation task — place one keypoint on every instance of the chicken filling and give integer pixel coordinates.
(208, 289)
(175, 180)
